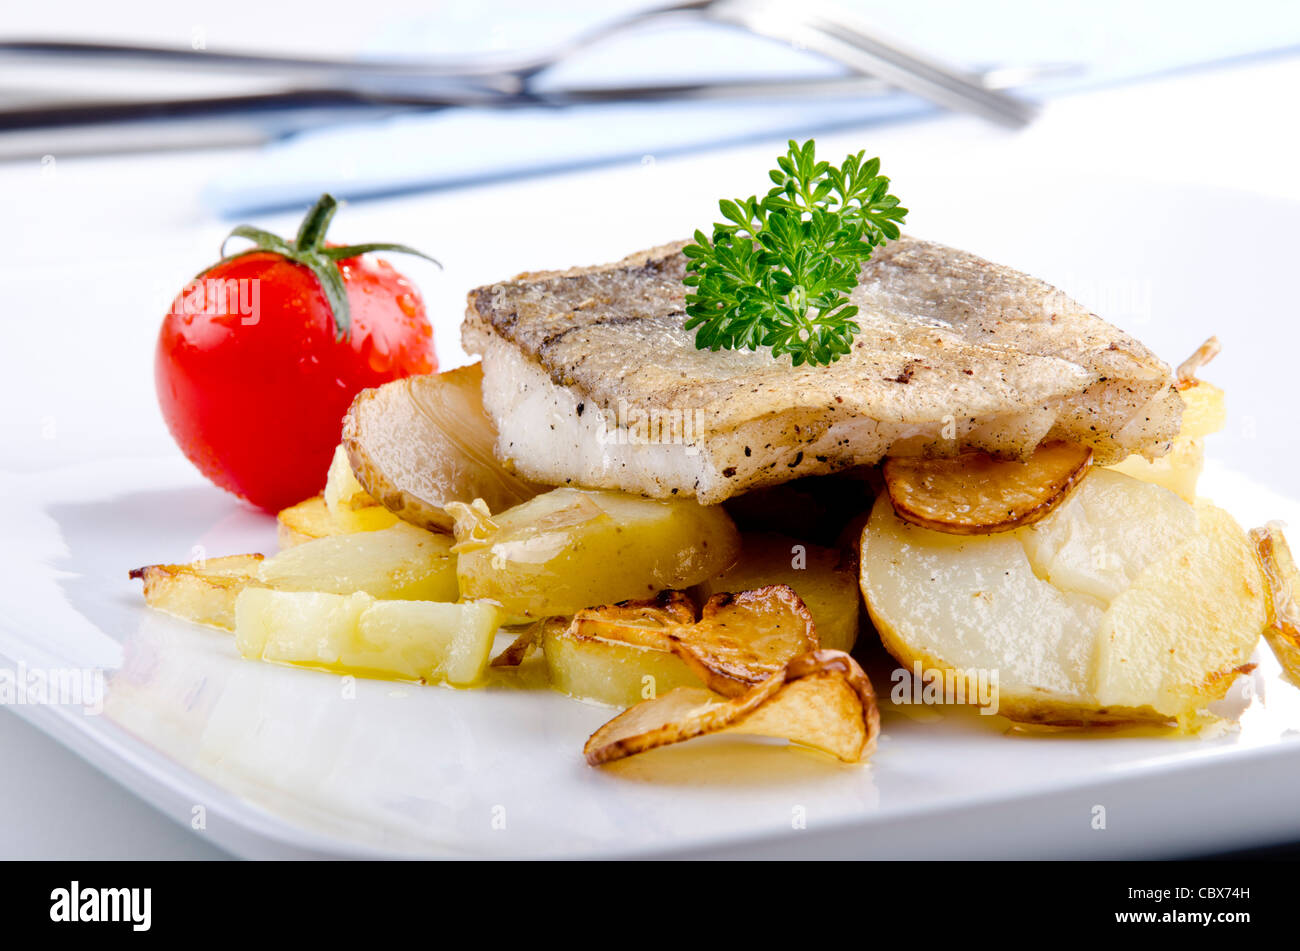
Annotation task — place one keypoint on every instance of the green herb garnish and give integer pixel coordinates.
(780, 272)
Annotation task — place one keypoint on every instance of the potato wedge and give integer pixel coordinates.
(421, 442)
(821, 700)
(976, 494)
(356, 634)
(1283, 630)
(351, 506)
(203, 592)
(571, 548)
(619, 654)
(401, 562)
(605, 670)
(820, 576)
(1178, 470)
(1124, 604)
(311, 519)
(1204, 410)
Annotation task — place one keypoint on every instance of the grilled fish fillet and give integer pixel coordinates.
(592, 381)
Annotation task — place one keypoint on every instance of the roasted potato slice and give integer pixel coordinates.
(606, 670)
(571, 548)
(356, 634)
(203, 592)
(619, 654)
(418, 443)
(1283, 630)
(1204, 410)
(821, 699)
(1123, 604)
(1178, 470)
(976, 494)
(311, 519)
(353, 509)
(1203, 414)
(400, 562)
(824, 580)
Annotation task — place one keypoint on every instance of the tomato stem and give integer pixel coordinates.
(309, 250)
(311, 233)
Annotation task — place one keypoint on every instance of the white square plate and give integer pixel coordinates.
(287, 762)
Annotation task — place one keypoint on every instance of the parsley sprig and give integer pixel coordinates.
(779, 271)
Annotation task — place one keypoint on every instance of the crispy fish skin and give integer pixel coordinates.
(592, 380)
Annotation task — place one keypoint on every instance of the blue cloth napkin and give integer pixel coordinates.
(1112, 41)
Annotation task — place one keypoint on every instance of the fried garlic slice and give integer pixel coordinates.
(821, 699)
(1283, 629)
(742, 639)
(975, 494)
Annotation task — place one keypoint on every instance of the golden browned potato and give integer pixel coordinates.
(616, 672)
(572, 548)
(421, 442)
(976, 494)
(203, 592)
(400, 562)
(311, 519)
(1180, 468)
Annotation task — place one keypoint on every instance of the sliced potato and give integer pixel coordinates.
(821, 578)
(820, 699)
(1176, 638)
(1124, 604)
(1178, 470)
(350, 505)
(1283, 630)
(311, 518)
(357, 634)
(400, 562)
(619, 654)
(976, 494)
(616, 672)
(572, 548)
(421, 442)
(1204, 410)
(203, 592)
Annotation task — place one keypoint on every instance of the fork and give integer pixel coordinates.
(818, 27)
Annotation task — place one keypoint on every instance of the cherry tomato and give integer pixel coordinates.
(260, 357)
